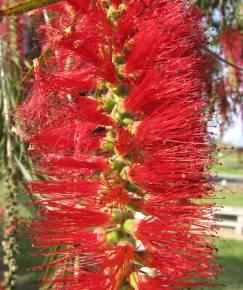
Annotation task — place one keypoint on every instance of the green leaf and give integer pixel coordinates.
(26, 6)
(22, 168)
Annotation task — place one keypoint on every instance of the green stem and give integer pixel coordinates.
(26, 6)
(215, 55)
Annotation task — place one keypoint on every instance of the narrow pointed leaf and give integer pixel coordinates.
(22, 168)
(26, 6)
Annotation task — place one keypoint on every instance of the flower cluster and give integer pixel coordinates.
(117, 123)
(230, 41)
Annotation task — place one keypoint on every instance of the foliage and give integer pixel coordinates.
(26, 6)
(11, 146)
(225, 17)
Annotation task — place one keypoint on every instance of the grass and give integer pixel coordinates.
(232, 195)
(228, 199)
(230, 164)
(230, 254)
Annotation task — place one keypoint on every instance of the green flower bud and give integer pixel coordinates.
(134, 279)
(114, 236)
(129, 225)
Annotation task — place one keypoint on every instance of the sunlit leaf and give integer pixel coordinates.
(26, 6)
(23, 169)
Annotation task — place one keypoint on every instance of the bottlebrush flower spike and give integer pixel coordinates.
(117, 119)
(230, 41)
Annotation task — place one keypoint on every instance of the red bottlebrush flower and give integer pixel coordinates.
(80, 5)
(56, 190)
(231, 41)
(62, 166)
(89, 280)
(62, 138)
(230, 88)
(116, 3)
(117, 121)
